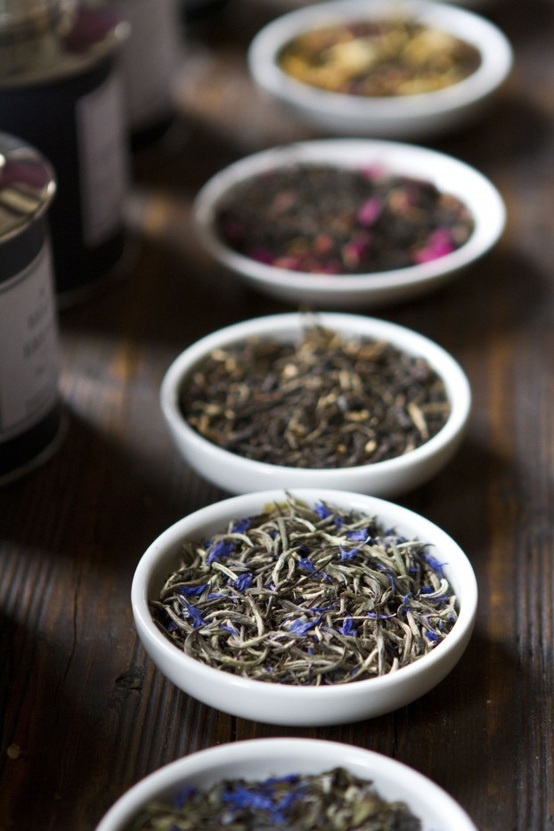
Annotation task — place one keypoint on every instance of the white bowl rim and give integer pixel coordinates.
(163, 547)
(363, 761)
(495, 48)
(445, 365)
(477, 192)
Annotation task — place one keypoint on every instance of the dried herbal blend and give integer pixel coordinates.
(334, 800)
(389, 57)
(306, 595)
(324, 219)
(325, 401)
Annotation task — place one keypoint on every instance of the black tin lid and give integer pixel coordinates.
(48, 40)
(27, 186)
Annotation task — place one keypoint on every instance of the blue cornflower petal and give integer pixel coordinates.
(241, 525)
(192, 591)
(360, 534)
(321, 610)
(432, 636)
(229, 628)
(348, 555)
(220, 549)
(242, 797)
(196, 616)
(441, 598)
(243, 581)
(322, 510)
(347, 627)
(306, 564)
(301, 627)
(433, 563)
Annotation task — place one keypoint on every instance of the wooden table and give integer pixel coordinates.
(84, 713)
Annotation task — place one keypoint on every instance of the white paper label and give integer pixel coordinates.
(29, 358)
(103, 160)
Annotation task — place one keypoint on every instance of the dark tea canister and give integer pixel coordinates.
(61, 91)
(31, 421)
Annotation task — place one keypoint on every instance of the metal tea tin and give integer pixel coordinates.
(150, 59)
(31, 423)
(61, 91)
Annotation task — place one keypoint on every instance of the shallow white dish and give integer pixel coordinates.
(257, 759)
(237, 474)
(448, 174)
(289, 704)
(412, 117)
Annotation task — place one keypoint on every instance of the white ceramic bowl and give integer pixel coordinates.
(257, 759)
(353, 291)
(290, 704)
(237, 474)
(412, 117)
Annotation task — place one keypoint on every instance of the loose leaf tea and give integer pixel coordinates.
(335, 800)
(306, 596)
(376, 58)
(326, 401)
(324, 219)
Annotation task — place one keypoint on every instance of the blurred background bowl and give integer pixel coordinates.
(343, 291)
(237, 474)
(394, 117)
(290, 704)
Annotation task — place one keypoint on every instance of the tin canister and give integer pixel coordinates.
(61, 91)
(150, 59)
(31, 421)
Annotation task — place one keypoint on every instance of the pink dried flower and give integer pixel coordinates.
(370, 210)
(438, 245)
